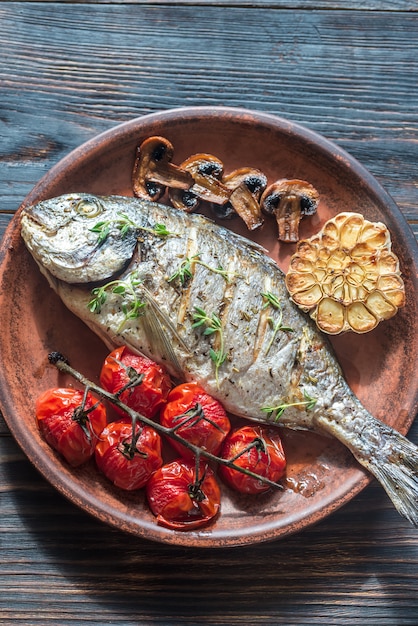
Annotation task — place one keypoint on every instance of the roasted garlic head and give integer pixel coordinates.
(347, 277)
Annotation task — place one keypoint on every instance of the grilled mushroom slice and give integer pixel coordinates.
(153, 170)
(247, 184)
(206, 172)
(289, 201)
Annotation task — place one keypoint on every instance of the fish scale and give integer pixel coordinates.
(295, 382)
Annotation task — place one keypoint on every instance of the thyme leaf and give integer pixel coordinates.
(277, 411)
(132, 307)
(161, 230)
(185, 270)
(271, 299)
(211, 324)
(218, 357)
(276, 325)
(124, 224)
(103, 230)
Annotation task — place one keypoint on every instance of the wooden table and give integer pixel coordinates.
(347, 69)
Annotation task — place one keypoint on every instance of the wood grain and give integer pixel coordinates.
(362, 5)
(71, 569)
(69, 70)
(353, 80)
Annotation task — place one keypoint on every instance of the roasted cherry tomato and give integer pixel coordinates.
(145, 383)
(69, 426)
(179, 499)
(256, 449)
(125, 460)
(200, 419)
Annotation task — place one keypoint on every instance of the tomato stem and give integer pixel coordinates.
(81, 415)
(128, 447)
(135, 377)
(193, 416)
(195, 488)
(62, 364)
(257, 443)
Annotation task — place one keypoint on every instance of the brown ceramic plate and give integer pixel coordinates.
(380, 366)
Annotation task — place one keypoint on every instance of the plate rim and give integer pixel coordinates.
(46, 465)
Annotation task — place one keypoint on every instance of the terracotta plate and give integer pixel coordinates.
(380, 366)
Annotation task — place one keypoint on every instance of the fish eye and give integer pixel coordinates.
(89, 207)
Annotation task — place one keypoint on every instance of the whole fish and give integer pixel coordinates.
(212, 307)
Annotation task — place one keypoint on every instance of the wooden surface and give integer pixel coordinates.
(69, 70)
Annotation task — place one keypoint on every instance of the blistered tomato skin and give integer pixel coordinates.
(69, 427)
(126, 461)
(179, 499)
(256, 449)
(206, 427)
(121, 367)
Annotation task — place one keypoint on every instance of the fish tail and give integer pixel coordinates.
(385, 453)
(397, 472)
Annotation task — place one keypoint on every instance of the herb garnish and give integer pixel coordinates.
(123, 223)
(276, 325)
(212, 324)
(277, 411)
(185, 272)
(132, 306)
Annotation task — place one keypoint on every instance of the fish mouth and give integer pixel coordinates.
(29, 215)
(35, 220)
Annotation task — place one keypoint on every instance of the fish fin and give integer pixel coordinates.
(397, 472)
(160, 331)
(385, 453)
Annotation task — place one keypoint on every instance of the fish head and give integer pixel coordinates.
(78, 238)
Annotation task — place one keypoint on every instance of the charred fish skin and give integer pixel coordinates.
(215, 310)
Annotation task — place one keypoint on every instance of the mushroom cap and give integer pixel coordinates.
(282, 188)
(206, 173)
(289, 200)
(153, 170)
(247, 185)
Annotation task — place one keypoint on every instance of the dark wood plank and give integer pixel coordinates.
(362, 5)
(61, 565)
(70, 73)
(4, 221)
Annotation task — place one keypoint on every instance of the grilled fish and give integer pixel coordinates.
(212, 307)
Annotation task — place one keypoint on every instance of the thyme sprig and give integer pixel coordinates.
(124, 224)
(185, 270)
(132, 306)
(277, 411)
(212, 324)
(62, 364)
(276, 325)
